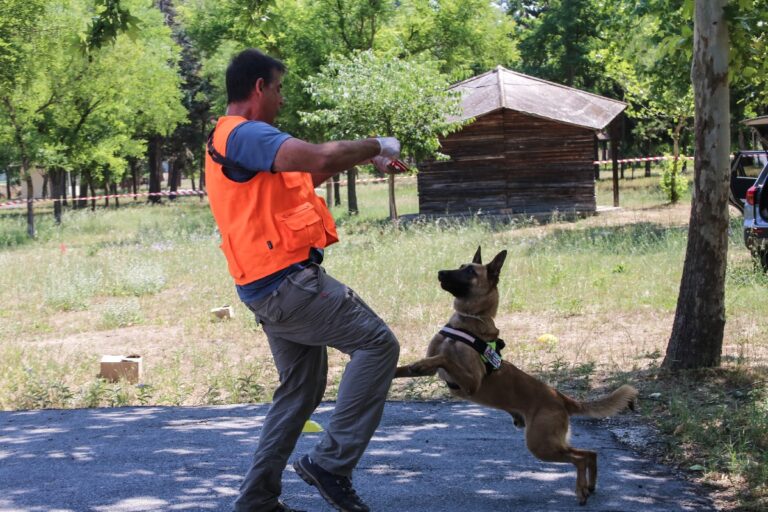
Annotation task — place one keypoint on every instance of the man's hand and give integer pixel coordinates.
(388, 166)
(390, 147)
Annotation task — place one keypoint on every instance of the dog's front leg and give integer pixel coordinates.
(422, 368)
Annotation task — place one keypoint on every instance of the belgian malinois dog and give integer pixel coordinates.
(541, 409)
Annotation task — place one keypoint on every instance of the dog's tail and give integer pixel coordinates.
(607, 406)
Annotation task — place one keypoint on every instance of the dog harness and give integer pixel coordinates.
(490, 351)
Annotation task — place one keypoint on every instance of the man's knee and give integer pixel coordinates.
(390, 347)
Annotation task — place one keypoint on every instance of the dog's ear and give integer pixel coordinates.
(494, 267)
(478, 259)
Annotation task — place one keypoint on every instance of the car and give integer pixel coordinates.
(749, 194)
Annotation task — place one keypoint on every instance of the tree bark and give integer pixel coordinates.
(58, 186)
(648, 162)
(82, 202)
(30, 209)
(697, 333)
(173, 178)
(392, 204)
(336, 190)
(352, 191)
(73, 188)
(615, 158)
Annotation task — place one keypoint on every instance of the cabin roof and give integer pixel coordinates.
(501, 88)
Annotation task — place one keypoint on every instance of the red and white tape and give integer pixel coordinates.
(641, 159)
(21, 202)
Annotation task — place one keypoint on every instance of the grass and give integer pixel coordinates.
(585, 304)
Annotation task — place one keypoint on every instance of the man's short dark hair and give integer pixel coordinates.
(245, 69)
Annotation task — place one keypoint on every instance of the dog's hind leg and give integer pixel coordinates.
(545, 437)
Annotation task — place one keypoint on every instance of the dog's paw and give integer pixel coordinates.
(582, 494)
(421, 369)
(403, 371)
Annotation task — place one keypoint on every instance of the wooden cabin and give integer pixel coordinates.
(529, 150)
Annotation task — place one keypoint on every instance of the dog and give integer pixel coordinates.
(472, 368)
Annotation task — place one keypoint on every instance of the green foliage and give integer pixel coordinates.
(673, 184)
(556, 42)
(369, 95)
(74, 112)
(109, 21)
(467, 37)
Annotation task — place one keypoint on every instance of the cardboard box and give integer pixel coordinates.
(223, 313)
(114, 368)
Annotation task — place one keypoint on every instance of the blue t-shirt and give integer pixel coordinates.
(253, 145)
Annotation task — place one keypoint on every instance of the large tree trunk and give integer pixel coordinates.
(697, 333)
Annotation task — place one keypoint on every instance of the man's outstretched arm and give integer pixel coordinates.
(330, 158)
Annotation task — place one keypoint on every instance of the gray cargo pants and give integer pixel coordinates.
(307, 313)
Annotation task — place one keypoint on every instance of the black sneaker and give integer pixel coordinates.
(282, 507)
(336, 489)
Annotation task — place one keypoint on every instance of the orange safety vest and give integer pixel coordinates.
(268, 222)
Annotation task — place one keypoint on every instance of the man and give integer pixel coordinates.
(274, 227)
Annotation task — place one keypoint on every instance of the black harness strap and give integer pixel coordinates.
(223, 161)
(490, 352)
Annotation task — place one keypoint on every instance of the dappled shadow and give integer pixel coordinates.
(431, 456)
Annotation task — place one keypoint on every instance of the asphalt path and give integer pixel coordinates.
(425, 457)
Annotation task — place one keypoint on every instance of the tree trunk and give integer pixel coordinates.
(30, 208)
(615, 158)
(57, 187)
(173, 178)
(93, 193)
(336, 190)
(697, 333)
(647, 162)
(155, 168)
(73, 188)
(392, 205)
(352, 191)
(63, 185)
(82, 202)
(8, 184)
(44, 193)
(329, 193)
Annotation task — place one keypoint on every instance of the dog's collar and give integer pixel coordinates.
(490, 351)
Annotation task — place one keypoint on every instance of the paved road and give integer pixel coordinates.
(425, 457)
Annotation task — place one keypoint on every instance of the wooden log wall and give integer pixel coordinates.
(507, 162)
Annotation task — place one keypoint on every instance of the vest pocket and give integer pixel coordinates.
(234, 267)
(300, 227)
